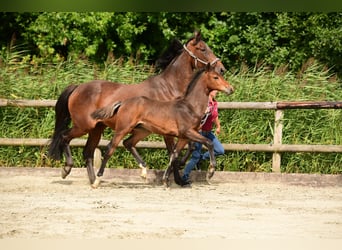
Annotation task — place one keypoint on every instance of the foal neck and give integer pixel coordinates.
(198, 95)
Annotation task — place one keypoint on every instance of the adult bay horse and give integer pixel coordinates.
(180, 118)
(78, 102)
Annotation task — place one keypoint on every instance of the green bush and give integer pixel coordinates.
(272, 38)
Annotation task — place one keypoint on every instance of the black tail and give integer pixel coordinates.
(106, 112)
(62, 121)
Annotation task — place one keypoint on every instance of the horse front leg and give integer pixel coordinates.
(195, 136)
(174, 164)
(212, 165)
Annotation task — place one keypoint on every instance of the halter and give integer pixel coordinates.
(198, 59)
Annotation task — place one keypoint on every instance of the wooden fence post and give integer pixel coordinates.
(277, 139)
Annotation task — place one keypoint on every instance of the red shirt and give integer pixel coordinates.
(213, 114)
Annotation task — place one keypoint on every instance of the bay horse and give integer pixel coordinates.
(77, 102)
(179, 118)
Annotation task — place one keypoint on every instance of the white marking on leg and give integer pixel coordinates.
(143, 171)
(97, 182)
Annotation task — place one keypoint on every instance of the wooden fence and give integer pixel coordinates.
(276, 148)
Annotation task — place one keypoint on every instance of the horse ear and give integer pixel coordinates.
(208, 67)
(197, 36)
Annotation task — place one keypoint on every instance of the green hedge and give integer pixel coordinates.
(274, 39)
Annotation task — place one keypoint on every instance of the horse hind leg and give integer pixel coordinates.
(190, 149)
(89, 150)
(110, 150)
(69, 161)
(137, 135)
(66, 137)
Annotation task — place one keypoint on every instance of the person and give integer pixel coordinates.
(210, 119)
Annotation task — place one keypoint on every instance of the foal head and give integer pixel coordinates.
(215, 81)
(211, 80)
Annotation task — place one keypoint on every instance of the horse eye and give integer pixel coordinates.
(216, 77)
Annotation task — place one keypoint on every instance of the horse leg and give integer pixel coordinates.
(187, 154)
(69, 162)
(137, 135)
(89, 149)
(111, 147)
(67, 136)
(195, 136)
(168, 170)
(170, 143)
(174, 164)
(212, 166)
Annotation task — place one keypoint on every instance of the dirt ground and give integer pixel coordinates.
(38, 204)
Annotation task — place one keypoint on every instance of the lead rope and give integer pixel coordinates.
(206, 115)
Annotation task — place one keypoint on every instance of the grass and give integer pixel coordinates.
(20, 79)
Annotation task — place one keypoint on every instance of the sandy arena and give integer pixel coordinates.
(37, 204)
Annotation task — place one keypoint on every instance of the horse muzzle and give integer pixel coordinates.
(228, 90)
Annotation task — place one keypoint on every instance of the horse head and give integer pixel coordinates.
(201, 54)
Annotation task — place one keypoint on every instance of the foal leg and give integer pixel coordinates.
(212, 166)
(195, 136)
(174, 164)
(137, 135)
(111, 147)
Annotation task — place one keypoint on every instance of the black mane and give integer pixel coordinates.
(174, 50)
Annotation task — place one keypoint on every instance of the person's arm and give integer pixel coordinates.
(217, 125)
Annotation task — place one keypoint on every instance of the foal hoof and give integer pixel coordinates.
(96, 183)
(166, 183)
(65, 171)
(210, 173)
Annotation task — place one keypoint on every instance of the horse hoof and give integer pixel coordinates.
(65, 172)
(210, 173)
(143, 173)
(96, 183)
(166, 183)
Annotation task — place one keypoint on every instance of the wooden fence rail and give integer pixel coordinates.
(276, 148)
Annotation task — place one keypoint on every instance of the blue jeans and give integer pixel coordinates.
(197, 154)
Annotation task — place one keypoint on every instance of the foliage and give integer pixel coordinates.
(275, 39)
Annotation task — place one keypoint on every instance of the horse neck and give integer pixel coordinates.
(178, 74)
(198, 97)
